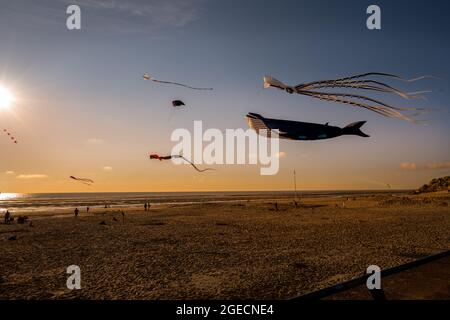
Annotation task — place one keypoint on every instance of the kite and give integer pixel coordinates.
(161, 158)
(82, 180)
(177, 103)
(10, 136)
(295, 130)
(146, 76)
(361, 81)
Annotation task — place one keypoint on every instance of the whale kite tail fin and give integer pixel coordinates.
(355, 129)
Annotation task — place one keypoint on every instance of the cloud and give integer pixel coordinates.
(31, 176)
(9, 172)
(281, 154)
(428, 166)
(441, 165)
(123, 16)
(95, 141)
(107, 168)
(408, 166)
(138, 15)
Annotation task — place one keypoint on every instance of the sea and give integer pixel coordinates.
(54, 202)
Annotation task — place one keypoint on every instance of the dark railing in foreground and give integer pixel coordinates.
(376, 294)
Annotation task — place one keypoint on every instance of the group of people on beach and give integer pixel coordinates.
(147, 206)
(8, 219)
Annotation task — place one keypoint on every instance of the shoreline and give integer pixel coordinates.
(121, 201)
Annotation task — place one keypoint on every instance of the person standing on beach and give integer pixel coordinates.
(7, 217)
(76, 212)
(87, 209)
(145, 206)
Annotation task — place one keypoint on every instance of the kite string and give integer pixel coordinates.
(180, 84)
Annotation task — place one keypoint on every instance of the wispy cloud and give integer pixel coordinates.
(138, 15)
(31, 176)
(281, 155)
(428, 166)
(107, 168)
(408, 166)
(95, 141)
(125, 16)
(9, 172)
(441, 165)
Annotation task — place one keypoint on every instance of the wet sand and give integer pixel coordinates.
(244, 250)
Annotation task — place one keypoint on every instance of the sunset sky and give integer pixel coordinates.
(81, 106)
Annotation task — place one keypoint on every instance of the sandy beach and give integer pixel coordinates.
(243, 249)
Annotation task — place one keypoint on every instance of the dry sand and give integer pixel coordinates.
(222, 250)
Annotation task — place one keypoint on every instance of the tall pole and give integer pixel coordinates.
(295, 187)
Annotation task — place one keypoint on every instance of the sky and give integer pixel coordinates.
(81, 106)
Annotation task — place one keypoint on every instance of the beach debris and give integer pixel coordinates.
(22, 219)
(161, 158)
(146, 76)
(85, 181)
(357, 82)
(295, 130)
(177, 103)
(114, 219)
(102, 223)
(12, 238)
(11, 137)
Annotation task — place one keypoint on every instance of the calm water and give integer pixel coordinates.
(22, 202)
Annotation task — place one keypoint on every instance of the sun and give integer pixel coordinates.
(6, 98)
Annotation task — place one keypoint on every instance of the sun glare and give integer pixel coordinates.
(6, 98)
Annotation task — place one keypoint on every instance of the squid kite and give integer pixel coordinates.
(87, 182)
(161, 158)
(10, 136)
(146, 76)
(360, 81)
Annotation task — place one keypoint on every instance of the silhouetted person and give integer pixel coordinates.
(148, 206)
(87, 209)
(123, 217)
(76, 212)
(145, 206)
(7, 217)
(276, 206)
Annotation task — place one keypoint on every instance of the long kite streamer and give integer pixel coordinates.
(161, 158)
(146, 76)
(360, 81)
(83, 180)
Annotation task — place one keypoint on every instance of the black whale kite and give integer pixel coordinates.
(296, 130)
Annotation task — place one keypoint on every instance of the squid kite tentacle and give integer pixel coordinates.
(378, 109)
(363, 75)
(384, 110)
(369, 85)
(356, 96)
